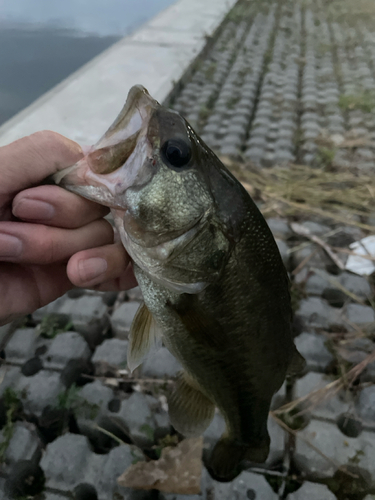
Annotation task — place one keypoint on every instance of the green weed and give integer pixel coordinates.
(12, 405)
(325, 156)
(53, 324)
(365, 101)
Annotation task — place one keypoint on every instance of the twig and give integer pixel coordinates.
(338, 285)
(302, 264)
(107, 433)
(302, 231)
(330, 389)
(326, 214)
(350, 252)
(307, 441)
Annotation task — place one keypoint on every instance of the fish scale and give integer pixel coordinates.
(215, 289)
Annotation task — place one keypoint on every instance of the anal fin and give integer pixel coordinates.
(190, 411)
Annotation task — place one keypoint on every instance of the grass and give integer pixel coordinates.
(70, 399)
(299, 190)
(53, 324)
(350, 13)
(12, 405)
(210, 71)
(364, 101)
(325, 156)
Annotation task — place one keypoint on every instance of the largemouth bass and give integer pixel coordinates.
(215, 288)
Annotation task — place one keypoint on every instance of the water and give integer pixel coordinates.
(44, 41)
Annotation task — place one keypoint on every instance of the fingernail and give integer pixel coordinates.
(10, 246)
(90, 269)
(30, 209)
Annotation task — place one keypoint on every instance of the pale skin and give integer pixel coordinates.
(51, 240)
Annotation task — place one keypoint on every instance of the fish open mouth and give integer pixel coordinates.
(113, 164)
(108, 159)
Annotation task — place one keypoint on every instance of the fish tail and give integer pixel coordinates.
(224, 462)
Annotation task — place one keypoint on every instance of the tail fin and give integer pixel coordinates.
(224, 462)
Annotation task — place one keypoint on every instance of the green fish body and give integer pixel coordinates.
(215, 290)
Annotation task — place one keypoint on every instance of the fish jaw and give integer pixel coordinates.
(115, 162)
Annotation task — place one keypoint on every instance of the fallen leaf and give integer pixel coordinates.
(178, 470)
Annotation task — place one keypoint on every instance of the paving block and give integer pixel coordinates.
(246, 485)
(122, 319)
(316, 228)
(136, 416)
(24, 444)
(3, 332)
(171, 496)
(110, 355)
(313, 349)
(163, 424)
(64, 347)
(284, 252)
(53, 496)
(341, 449)
(21, 346)
(355, 284)
(314, 256)
(117, 461)
(91, 406)
(312, 491)
(214, 431)
(365, 405)
(65, 461)
(316, 284)
(160, 364)
(279, 398)
(278, 441)
(10, 376)
(96, 393)
(51, 308)
(280, 228)
(87, 313)
(39, 391)
(314, 312)
(69, 464)
(358, 314)
(134, 294)
(331, 406)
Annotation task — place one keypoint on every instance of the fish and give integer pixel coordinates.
(216, 292)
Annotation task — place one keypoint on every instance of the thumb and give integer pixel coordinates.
(27, 161)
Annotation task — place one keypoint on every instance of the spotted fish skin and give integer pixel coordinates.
(215, 289)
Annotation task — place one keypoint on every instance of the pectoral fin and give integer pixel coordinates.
(145, 336)
(190, 411)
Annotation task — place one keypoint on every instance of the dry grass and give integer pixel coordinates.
(342, 196)
(351, 12)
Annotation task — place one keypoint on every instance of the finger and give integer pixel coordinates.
(125, 281)
(23, 289)
(54, 206)
(26, 243)
(102, 264)
(29, 160)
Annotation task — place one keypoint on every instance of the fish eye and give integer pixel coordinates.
(176, 152)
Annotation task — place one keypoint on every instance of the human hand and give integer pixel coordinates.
(50, 239)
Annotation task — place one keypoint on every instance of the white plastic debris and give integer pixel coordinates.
(362, 265)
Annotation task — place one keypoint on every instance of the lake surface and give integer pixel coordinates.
(44, 41)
